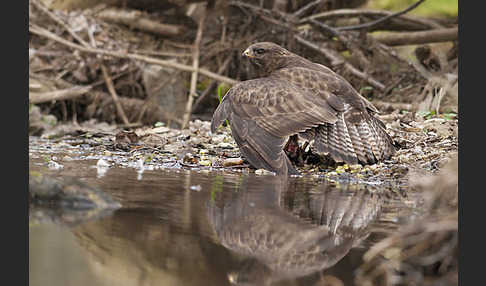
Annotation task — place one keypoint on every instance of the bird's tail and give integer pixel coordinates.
(357, 138)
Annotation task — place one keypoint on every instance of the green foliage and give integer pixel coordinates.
(221, 90)
(35, 174)
(149, 158)
(449, 116)
(203, 84)
(51, 120)
(441, 8)
(346, 54)
(216, 186)
(366, 91)
(365, 88)
(426, 114)
(432, 114)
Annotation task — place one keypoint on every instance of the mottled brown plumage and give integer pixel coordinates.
(286, 232)
(293, 95)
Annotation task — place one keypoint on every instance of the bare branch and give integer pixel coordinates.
(45, 33)
(195, 65)
(135, 19)
(416, 38)
(62, 94)
(59, 21)
(381, 20)
(325, 28)
(336, 60)
(304, 9)
(205, 93)
(111, 89)
(382, 105)
(340, 13)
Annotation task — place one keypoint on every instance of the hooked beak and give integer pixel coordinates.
(247, 53)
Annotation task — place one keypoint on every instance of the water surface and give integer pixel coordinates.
(181, 227)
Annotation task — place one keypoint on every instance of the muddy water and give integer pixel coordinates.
(182, 227)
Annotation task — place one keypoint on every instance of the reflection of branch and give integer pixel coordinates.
(45, 33)
(381, 20)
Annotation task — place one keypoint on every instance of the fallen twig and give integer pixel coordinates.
(262, 11)
(62, 94)
(381, 20)
(325, 28)
(162, 53)
(195, 65)
(417, 38)
(153, 113)
(135, 19)
(45, 33)
(111, 89)
(337, 59)
(304, 9)
(59, 21)
(382, 105)
(340, 13)
(206, 92)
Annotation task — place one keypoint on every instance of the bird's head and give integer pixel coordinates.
(266, 56)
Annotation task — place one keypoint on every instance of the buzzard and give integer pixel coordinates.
(292, 95)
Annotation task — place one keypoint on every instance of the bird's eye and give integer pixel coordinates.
(259, 51)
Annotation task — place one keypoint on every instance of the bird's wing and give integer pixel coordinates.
(277, 106)
(259, 147)
(356, 135)
(321, 82)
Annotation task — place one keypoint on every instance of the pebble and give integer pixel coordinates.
(225, 145)
(189, 158)
(216, 139)
(355, 167)
(232, 162)
(263, 172)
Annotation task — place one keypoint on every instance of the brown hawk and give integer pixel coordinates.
(289, 231)
(293, 95)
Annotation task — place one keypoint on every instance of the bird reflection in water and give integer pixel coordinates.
(283, 233)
